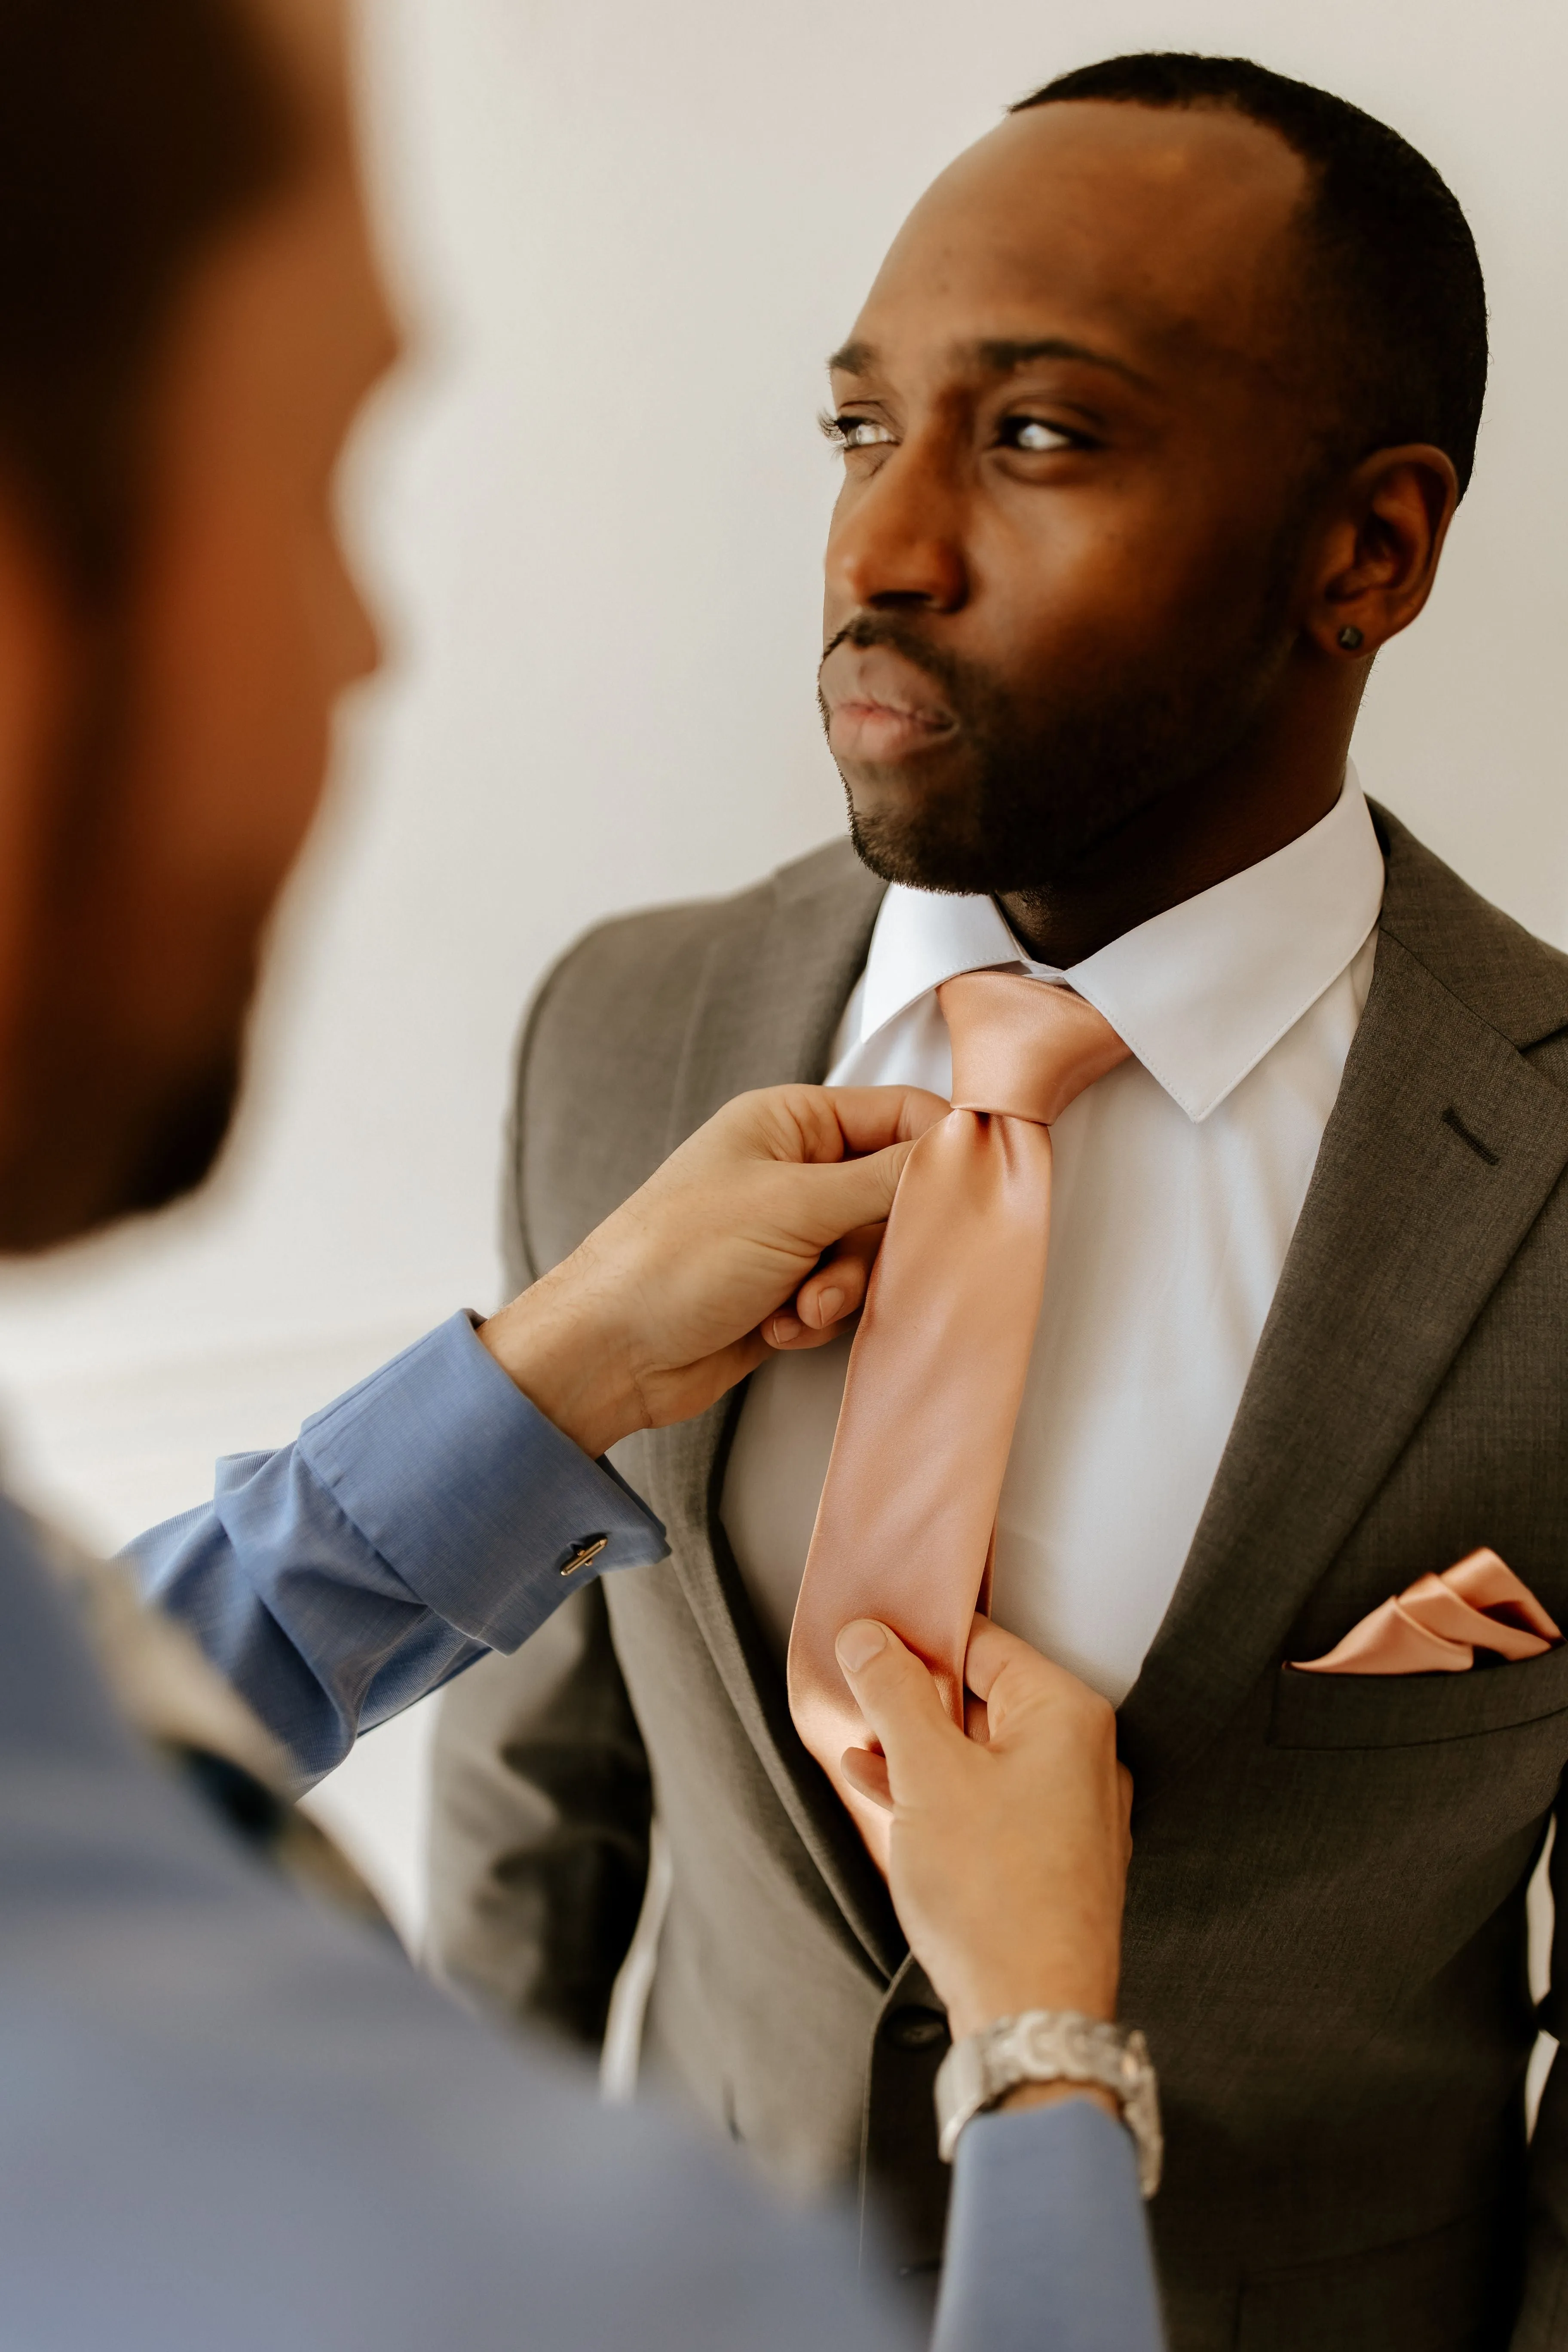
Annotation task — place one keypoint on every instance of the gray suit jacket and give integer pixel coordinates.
(1326, 1929)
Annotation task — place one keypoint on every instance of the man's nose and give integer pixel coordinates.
(896, 538)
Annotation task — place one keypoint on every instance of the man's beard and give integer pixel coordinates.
(1035, 787)
(178, 1143)
(92, 1133)
(95, 1124)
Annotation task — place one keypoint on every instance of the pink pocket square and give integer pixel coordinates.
(1436, 1625)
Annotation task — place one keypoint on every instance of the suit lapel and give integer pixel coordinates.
(1442, 1149)
(763, 1014)
(771, 995)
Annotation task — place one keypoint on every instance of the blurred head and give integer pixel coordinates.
(1169, 381)
(190, 317)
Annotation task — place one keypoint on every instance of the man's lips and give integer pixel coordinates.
(880, 707)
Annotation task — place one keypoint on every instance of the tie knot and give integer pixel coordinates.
(1024, 1048)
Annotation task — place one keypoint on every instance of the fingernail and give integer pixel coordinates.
(830, 1305)
(859, 1643)
(783, 1328)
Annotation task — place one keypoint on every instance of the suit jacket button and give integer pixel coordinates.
(916, 2029)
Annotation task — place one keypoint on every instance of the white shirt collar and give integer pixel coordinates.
(1201, 992)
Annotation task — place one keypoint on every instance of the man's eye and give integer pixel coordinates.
(853, 432)
(1033, 434)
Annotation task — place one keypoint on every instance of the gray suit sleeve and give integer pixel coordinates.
(543, 1807)
(1543, 2325)
(541, 1792)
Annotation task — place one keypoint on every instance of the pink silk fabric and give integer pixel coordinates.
(1436, 1625)
(905, 1526)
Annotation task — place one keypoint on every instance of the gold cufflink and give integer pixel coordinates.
(589, 1549)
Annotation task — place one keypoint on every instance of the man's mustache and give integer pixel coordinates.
(957, 679)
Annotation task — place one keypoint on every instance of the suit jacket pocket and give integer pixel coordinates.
(1415, 1710)
(1454, 2291)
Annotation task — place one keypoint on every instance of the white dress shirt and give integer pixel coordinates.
(1179, 1179)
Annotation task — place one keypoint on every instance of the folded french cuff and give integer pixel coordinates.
(479, 1503)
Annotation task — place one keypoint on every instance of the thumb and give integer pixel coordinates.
(845, 1193)
(899, 1698)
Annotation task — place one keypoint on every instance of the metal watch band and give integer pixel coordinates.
(1052, 2045)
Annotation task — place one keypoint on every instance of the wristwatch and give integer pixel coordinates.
(1051, 2045)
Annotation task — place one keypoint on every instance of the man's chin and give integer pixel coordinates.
(921, 844)
(61, 1180)
(180, 1146)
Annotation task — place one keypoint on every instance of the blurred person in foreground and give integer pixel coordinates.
(230, 2115)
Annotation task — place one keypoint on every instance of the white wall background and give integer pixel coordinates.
(625, 237)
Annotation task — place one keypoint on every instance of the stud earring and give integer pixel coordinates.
(1350, 637)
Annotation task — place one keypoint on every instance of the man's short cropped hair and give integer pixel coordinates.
(1394, 303)
(132, 132)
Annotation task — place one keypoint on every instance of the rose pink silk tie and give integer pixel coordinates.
(908, 1512)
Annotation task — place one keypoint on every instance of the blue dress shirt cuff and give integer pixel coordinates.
(466, 1491)
(424, 1518)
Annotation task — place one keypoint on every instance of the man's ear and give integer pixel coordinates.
(1379, 556)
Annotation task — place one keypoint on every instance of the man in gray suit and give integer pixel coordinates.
(1153, 426)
